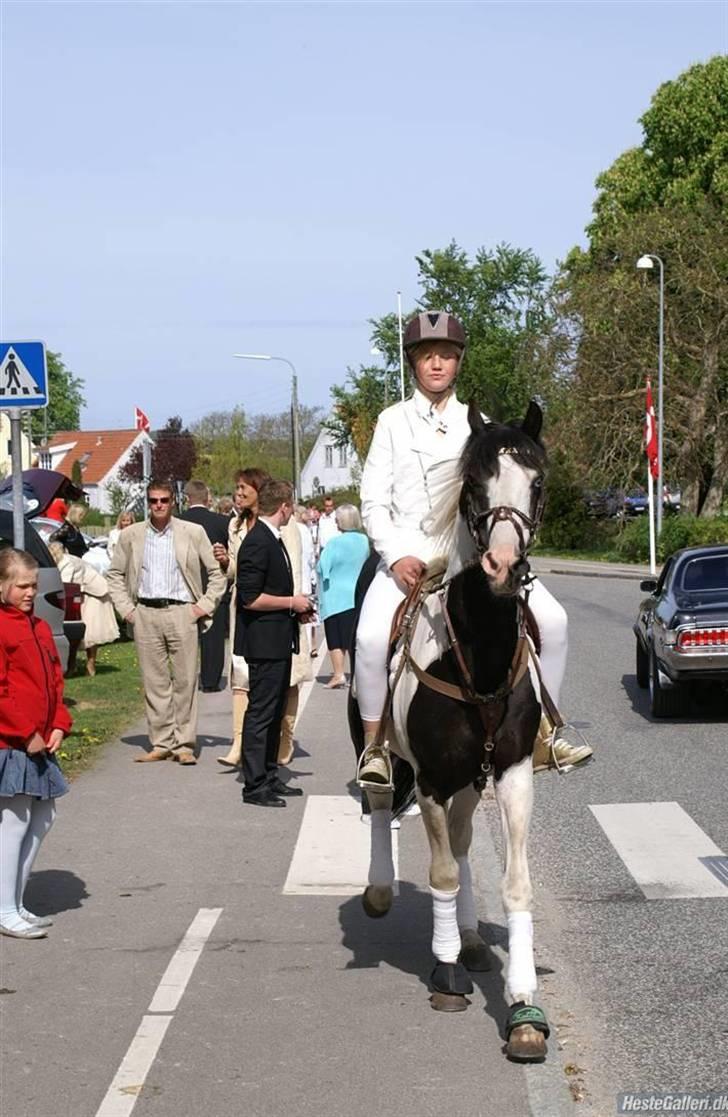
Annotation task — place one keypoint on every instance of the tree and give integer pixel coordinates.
(667, 197)
(77, 472)
(65, 400)
(173, 455)
(501, 297)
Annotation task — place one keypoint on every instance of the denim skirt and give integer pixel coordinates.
(38, 775)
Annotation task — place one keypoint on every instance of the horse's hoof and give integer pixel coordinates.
(372, 909)
(475, 956)
(526, 1045)
(449, 1002)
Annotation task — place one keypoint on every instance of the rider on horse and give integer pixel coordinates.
(431, 426)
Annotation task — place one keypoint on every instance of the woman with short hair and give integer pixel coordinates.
(338, 570)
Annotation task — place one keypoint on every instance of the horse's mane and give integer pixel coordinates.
(478, 462)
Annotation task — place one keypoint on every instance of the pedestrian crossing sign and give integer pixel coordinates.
(23, 374)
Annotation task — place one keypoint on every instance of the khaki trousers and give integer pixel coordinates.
(167, 646)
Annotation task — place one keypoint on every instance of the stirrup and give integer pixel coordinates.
(563, 767)
(369, 784)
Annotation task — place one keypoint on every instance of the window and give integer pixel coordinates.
(329, 455)
(342, 456)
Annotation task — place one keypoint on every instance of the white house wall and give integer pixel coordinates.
(329, 476)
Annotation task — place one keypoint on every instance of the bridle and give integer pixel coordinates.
(481, 524)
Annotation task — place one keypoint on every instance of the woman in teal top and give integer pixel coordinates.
(338, 569)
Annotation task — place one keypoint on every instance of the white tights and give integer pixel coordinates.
(375, 622)
(24, 823)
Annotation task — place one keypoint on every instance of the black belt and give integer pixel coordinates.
(160, 602)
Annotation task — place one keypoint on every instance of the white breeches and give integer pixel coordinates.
(375, 623)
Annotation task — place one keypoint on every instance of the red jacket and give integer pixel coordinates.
(31, 680)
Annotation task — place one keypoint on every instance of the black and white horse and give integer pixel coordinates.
(465, 707)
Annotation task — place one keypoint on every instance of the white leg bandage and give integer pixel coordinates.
(467, 917)
(521, 968)
(445, 933)
(381, 865)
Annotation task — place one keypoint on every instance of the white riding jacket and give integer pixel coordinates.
(409, 438)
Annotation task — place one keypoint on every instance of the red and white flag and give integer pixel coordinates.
(651, 433)
(141, 422)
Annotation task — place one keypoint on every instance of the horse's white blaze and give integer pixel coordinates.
(512, 488)
(514, 794)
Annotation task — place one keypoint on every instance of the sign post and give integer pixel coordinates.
(23, 387)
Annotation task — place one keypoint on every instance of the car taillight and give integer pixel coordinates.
(73, 601)
(57, 599)
(703, 638)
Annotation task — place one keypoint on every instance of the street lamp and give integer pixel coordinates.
(646, 263)
(295, 439)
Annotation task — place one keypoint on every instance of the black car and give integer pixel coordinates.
(682, 627)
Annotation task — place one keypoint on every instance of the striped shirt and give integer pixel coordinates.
(160, 573)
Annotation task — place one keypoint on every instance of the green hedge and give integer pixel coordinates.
(633, 545)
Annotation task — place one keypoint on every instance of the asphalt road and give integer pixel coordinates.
(299, 1004)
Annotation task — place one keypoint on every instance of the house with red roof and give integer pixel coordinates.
(100, 454)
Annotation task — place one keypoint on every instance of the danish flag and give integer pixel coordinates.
(141, 422)
(651, 434)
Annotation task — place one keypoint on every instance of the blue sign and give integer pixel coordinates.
(23, 374)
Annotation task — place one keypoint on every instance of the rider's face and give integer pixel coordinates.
(436, 365)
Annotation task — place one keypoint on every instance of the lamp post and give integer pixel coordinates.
(295, 439)
(646, 263)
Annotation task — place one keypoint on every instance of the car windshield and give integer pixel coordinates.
(707, 573)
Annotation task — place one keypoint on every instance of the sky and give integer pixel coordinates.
(184, 181)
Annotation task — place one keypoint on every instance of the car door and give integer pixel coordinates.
(650, 607)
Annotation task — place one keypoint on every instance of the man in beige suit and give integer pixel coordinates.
(155, 582)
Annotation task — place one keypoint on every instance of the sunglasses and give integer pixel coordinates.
(159, 499)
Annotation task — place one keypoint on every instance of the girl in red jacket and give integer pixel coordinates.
(33, 721)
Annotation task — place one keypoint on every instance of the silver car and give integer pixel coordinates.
(50, 604)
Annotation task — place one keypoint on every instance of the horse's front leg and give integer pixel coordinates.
(474, 952)
(449, 980)
(526, 1027)
(377, 897)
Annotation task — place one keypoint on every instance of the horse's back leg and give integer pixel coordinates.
(377, 897)
(474, 953)
(450, 981)
(526, 1028)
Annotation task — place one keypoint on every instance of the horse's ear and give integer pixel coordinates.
(533, 422)
(477, 424)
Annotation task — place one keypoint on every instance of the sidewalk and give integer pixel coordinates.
(290, 1001)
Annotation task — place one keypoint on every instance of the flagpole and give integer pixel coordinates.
(651, 513)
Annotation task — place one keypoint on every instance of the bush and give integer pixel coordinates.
(633, 545)
(567, 525)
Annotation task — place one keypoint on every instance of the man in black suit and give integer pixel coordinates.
(212, 642)
(266, 634)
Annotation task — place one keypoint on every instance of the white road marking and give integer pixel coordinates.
(127, 1085)
(129, 1079)
(179, 971)
(331, 857)
(662, 847)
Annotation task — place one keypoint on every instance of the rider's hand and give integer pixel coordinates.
(408, 571)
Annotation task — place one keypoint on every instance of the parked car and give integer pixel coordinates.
(635, 502)
(50, 604)
(604, 503)
(682, 627)
(73, 626)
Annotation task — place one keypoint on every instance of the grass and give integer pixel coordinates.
(102, 706)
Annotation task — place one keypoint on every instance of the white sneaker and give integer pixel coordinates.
(413, 812)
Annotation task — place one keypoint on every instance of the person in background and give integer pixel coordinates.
(212, 642)
(57, 510)
(225, 506)
(97, 612)
(155, 581)
(308, 566)
(69, 533)
(124, 519)
(327, 524)
(338, 569)
(33, 723)
(267, 635)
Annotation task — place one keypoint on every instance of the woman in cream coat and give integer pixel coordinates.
(247, 484)
(97, 612)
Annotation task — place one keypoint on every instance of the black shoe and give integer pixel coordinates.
(278, 787)
(264, 798)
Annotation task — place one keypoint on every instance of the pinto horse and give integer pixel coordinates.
(464, 707)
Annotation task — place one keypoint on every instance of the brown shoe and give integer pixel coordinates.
(150, 757)
(184, 758)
